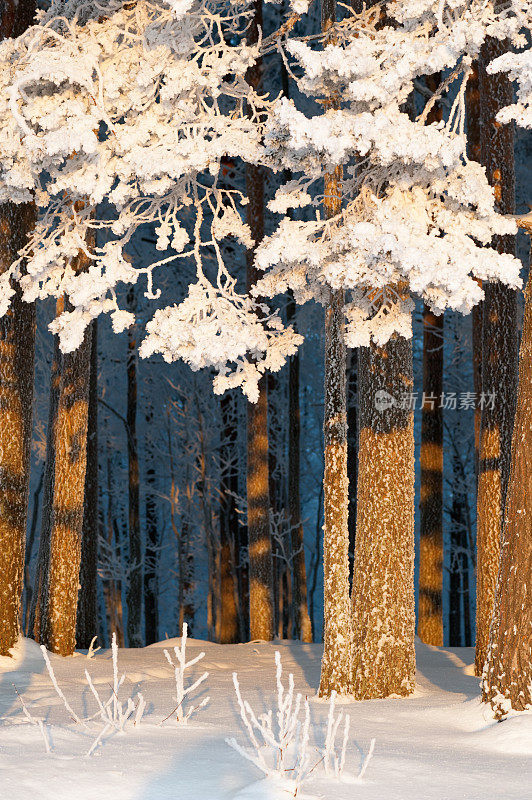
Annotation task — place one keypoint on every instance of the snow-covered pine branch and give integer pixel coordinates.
(137, 108)
(418, 216)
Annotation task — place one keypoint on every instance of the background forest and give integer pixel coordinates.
(207, 507)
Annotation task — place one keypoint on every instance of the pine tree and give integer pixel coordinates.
(58, 623)
(229, 627)
(499, 352)
(87, 617)
(151, 581)
(43, 558)
(17, 344)
(303, 626)
(507, 680)
(134, 585)
(336, 662)
(261, 600)
(383, 579)
(430, 617)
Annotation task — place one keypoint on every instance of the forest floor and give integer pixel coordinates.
(440, 743)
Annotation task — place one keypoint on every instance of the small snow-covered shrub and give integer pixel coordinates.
(182, 714)
(279, 741)
(333, 761)
(113, 712)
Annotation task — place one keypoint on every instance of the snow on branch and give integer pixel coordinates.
(183, 714)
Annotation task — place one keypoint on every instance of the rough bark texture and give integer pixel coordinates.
(508, 674)
(87, 619)
(383, 581)
(352, 450)
(336, 662)
(430, 613)
(151, 578)
(261, 600)
(229, 627)
(134, 587)
(499, 353)
(58, 625)
(17, 346)
(261, 606)
(303, 626)
(43, 558)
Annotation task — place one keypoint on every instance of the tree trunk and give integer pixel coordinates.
(87, 619)
(261, 601)
(228, 522)
(58, 624)
(151, 581)
(17, 346)
(134, 585)
(41, 572)
(302, 619)
(28, 591)
(352, 451)
(113, 587)
(430, 615)
(336, 662)
(499, 353)
(383, 581)
(507, 681)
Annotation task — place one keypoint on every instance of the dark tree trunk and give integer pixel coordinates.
(134, 586)
(17, 346)
(303, 626)
(229, 628)
(151, 580)
(430, 617)
(87, 619)
(28, 590)
(261, 601)
(499, 352)
(41, 572)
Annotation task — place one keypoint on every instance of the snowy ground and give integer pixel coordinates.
(440, 743)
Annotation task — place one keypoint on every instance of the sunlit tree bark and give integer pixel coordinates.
(507, 681)
(17, 345)
(499, 352)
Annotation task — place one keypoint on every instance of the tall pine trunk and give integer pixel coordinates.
(43, 558)
(69, 446)
(302, 619)
(336, 662)
(507, 681)
(430, 615)
(383, 580)
(499, 352)
(261, 600)
(87, 619)
(151, 579)
(229, 628)
(17, 346)
(134, 585)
